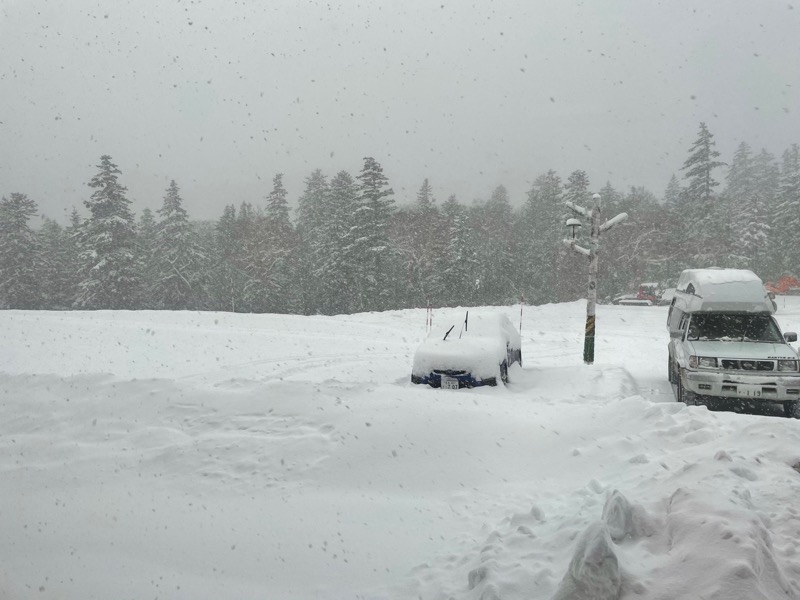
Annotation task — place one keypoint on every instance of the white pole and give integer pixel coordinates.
(591, 299)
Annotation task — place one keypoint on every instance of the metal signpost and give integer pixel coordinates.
(594, 248)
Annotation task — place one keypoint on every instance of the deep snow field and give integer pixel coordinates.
(181, 455)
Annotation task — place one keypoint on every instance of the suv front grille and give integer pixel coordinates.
(748, 365)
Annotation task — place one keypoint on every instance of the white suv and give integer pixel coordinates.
(725, 344)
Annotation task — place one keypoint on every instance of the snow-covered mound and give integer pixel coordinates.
(209, 455)
(476, 343)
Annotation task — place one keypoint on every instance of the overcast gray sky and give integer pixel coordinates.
(222, 95)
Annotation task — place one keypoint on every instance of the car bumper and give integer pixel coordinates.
(438, 380)
(767, 388)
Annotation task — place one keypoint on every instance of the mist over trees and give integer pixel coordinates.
(351, 247)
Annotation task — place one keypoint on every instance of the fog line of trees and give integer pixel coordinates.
(350, 248)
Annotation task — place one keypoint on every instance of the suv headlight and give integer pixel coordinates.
(702, 362)
(787, 365)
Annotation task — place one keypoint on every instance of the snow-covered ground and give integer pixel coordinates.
(182, 455)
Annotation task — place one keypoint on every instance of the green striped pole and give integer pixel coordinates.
(588, 341)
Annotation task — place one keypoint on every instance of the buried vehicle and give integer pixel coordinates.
(477, 351)
(726, 345)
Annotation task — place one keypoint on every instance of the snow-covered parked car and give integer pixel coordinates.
(477, 350)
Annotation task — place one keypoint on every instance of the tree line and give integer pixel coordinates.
(350, 248)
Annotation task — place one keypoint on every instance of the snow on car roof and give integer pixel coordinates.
(476, 323)
(723, 290)
(716, 276)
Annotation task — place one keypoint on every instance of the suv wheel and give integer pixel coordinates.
(688, 397)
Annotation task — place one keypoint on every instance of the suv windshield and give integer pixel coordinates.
(733, 327)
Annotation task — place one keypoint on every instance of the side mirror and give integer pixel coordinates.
(679, 334)
(790, 336)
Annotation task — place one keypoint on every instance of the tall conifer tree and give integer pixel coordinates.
(227, 275)
(786, 220)
(541, 238)
(314, 211)
(375, 255)
(109, 275)
(338, 272)
(701, 215)
(58, 266)
(179, 261)
(460, 265)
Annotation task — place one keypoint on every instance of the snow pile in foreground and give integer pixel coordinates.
(186, 455)
(712, 517)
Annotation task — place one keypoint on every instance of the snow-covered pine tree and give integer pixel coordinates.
(672, 193)
(459, 265)
(312, 205)
(632, 252)
(577, 189)
(179, 263)
(227, 277)
(341, 287)
(313, 214)
(277, 212)
(669, 236)
(612, 200)
(244, 258)
(59, 263)
(541, 234)
(740, 181)
(733, 207)
(145, 239)
(425, 203)
(147, 226)
(75, 221)
(286, 249)
(417, 234)
(433, 241)
(751, 183)
(19, 254)
(767, 181)
(375, 256)
(493, 222)
(272, 254)
(700, 215)
(109, 277)
(785, 250)
(74, 232)
(700, 166)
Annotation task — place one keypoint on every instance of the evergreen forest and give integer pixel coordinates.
(350, 247)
